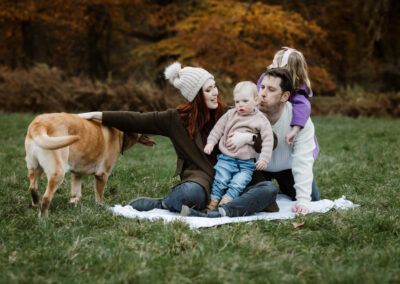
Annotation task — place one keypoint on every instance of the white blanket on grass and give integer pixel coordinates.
(285, 204)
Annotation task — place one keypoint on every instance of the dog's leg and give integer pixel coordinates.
(100, 184)
(34, 176)
(54, 180)
(76, 188)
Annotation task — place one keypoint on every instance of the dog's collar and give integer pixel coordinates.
(123, 142)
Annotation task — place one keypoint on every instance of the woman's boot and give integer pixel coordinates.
(186, 211)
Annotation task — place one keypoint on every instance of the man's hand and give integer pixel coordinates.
(91, 115)
(261, 165)
(208, 149)
(237, 140)
(146, 140)
(301, 209)
(292, 133)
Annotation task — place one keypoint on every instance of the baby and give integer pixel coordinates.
(234, 170)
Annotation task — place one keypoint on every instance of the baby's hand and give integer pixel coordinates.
(261, 165)
(292, 133)
(208, 149)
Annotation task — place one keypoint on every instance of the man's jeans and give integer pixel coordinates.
(231, 174)
(286, 184)
(254, 198)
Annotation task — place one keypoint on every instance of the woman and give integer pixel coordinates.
(188, 127)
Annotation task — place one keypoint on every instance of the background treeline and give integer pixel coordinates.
(107, 54)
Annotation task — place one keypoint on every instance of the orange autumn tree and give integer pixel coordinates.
(236, 41)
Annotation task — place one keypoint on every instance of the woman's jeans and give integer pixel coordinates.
(231, 177)
(254, 198)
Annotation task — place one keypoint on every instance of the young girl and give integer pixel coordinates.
(295, 62)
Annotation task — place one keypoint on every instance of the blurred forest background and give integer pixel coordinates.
(110, 54)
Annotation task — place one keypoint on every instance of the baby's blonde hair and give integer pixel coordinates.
(295, 62)
(246, 86)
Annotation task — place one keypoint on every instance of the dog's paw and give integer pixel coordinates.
(74, 201)
(43, 214)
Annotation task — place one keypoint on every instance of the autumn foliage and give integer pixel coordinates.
(43, 89)
(112, 43)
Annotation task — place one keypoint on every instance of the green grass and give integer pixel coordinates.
(359, 159)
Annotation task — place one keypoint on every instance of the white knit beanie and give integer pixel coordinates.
(188, 80)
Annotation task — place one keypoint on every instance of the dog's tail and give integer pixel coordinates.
(39, 135)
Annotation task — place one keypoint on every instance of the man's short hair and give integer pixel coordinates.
(284, 74)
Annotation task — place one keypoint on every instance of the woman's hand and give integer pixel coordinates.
(208, 149)
(237, 140)
(91, 115)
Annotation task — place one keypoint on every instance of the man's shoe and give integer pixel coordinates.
(186, 211)
(272, 208)
(145, 203)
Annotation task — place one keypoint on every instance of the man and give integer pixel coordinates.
(290, 165)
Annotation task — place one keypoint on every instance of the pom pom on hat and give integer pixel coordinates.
(172, 72)
(188, 80)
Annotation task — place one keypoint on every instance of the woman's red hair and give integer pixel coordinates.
(194, 115)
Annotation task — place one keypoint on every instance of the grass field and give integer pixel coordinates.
(359, 159)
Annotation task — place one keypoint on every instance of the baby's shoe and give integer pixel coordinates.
(212, 205)
(225, 199)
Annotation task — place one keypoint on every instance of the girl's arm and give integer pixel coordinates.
(301, 113)
(301, 110)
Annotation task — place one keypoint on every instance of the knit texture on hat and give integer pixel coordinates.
(188, 80)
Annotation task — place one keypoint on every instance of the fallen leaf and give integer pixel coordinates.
(296, 225)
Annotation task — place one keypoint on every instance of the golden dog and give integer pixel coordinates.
(60, 142)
